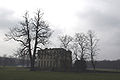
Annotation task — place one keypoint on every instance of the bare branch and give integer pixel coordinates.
(65, 41)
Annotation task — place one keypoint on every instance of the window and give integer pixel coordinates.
(41, 64)
(44, 63)
(44, 56)
(50, 56)
(47, 63)
(50, 63)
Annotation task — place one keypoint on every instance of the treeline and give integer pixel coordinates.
(106, 64)
(11, 61)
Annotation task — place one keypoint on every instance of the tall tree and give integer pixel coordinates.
(81, 51)
(65, 43)
(31, 33)
(92, 46)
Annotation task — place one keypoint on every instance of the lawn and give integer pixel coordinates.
(13, 73)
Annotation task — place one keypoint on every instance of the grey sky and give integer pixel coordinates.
(104, 18)
(68, 17)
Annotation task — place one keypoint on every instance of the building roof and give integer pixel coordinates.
(54, 51)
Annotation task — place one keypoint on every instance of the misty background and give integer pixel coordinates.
(67, 17)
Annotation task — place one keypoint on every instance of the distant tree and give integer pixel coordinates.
(11, 61)
(4, 60)
(65, 41)
(31, 33)
(22, 54)
(92, 46)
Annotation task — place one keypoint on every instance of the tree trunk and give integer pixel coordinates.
(32, 65)
(92, 62)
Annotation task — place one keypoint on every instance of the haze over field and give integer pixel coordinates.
(67, 17)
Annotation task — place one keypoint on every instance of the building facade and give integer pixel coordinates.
(54, 59)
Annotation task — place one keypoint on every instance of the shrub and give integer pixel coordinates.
(80, 65)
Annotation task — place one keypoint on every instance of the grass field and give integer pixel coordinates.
(13, 73)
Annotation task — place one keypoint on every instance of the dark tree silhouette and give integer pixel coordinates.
(31, 33)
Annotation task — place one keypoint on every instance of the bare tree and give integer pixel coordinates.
(31, 33)
(92, 46)
(80, 51)
(81, 40)
(65, 41)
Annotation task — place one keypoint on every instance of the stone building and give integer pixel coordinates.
(54, 59)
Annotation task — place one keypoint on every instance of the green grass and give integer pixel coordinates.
(100, 69)
(12, 73)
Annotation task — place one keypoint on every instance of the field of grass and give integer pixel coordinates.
(13, 73)
(109, 70)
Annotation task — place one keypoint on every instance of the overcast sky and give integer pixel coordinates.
(68, 17)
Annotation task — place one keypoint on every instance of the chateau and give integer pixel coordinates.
(54, 59)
